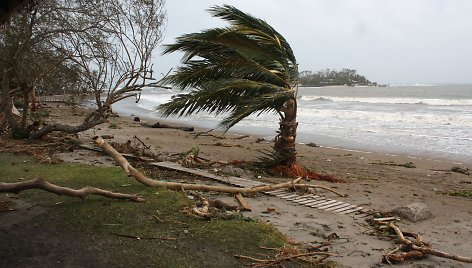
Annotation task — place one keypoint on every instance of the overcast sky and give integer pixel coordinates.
(388, 41)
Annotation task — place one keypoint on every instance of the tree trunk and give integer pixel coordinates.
(285, 140)
(7, 104)
(65, 128)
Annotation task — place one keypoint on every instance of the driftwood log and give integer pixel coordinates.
(160, 125)
(16, 187)
(417, 249)
(132, 172)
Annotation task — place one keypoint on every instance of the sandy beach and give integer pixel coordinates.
(376, 181)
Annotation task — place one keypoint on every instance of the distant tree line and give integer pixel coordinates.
(329, 77)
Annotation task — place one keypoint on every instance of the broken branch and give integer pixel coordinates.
(132, 172)
(243, 202)
(17, 187)
(419, 249)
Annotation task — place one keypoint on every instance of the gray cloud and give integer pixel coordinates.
(402, 41)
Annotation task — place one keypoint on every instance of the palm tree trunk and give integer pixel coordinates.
(285, 139)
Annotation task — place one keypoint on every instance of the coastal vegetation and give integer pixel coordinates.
(101, 48)
(245, 69)
(330, 77)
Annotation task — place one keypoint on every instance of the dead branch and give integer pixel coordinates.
(17, 187)
(243, 202)
(286, 254)
(142, 143)
(145, 238)
(418, 249)
(132, 172)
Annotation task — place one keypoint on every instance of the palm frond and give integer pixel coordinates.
(253, 25)
(271, 158)
(222, 96)
(243, 69)
(257, 105)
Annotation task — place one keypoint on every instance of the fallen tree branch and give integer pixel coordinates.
(131, 171)
(17, 187)
(418, 249)
(65, 128)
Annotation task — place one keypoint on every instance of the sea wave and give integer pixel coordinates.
(343, 117)
(374, 100)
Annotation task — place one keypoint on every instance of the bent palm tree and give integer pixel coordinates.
(243, 69)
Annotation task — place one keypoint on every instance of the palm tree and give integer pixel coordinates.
(243, 69)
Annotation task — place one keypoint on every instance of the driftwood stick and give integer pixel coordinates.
(425, 249)
(17, 187)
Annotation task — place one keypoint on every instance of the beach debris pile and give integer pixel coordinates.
(209, 208)
(296, 170)
(278, 257)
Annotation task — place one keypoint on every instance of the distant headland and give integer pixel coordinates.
(329, 77)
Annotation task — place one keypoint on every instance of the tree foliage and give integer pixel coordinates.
(330, 77)
(102, 47)
(243, 69)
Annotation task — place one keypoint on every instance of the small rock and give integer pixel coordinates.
(414, 212)
(136, 119)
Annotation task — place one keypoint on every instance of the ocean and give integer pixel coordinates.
(431, 121)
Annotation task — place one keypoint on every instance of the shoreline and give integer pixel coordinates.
(130, 112)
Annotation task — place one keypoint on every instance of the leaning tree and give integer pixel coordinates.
(244, 69)
(102, 47)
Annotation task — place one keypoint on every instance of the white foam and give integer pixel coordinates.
(375, 100)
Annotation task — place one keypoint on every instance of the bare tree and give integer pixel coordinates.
(104, 46)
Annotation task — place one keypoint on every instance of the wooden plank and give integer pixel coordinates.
(290, 196)
(351, 210)
(300, 197)
(275, 192)
(331, 205)
(345, 208)
(243, 202)
(316, 205)
(311, 200)
(306, 198)
(284, 194)
(322, 201)
(386, 219)
(338, 207)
